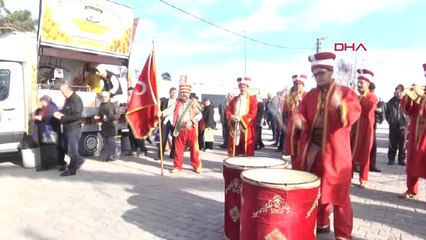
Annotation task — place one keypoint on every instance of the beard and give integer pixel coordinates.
(361, 89)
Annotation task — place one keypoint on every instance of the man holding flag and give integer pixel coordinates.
(142, 111)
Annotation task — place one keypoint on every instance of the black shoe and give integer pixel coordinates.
(391, 163)
(324, 230)
(63, 167)
(80, 164)
(223, 146)
(274, 144)
(67, 173)
(402, 163)
(375, 170)
(41, 169)
(356, 169)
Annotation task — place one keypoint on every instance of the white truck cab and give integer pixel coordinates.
(15, 67)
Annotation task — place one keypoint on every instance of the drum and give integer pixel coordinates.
(279, 204)
(232, 168)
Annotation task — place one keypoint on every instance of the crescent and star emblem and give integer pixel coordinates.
(143, 90)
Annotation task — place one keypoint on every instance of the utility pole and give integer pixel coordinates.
(245, 54)
(319, 43)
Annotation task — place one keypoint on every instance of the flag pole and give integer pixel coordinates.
(160, 132)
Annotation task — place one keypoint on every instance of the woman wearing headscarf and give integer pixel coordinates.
(209, 125)
(46, 131)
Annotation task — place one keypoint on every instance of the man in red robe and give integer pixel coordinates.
(241, 116)
(186, 116)
(364, 128)
(414, 104)
(325, 117)
(292, 137)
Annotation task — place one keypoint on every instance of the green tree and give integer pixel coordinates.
(20, 20)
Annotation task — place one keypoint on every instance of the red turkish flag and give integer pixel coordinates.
(142, 111)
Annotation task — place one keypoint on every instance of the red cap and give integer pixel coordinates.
(365, 74)
(322, 60)
(184, 85)
(244, 80)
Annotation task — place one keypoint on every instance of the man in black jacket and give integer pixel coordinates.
(259, 118)
(135, 143)
(398, 124)
(111, 82)
(70, 117)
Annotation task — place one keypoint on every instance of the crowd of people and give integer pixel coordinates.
(328, 131)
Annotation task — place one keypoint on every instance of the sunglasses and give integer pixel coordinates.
(319, 74)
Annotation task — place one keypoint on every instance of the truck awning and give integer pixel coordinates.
(81, 56)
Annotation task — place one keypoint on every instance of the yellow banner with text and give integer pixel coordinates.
(98, 26)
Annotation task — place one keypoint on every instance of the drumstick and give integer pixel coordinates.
(234, 139)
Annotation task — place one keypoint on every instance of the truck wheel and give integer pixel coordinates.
(90, 144)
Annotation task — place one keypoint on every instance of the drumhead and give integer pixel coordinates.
(281, 178)
(253, 162)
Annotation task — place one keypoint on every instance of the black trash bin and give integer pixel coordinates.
(125, 140)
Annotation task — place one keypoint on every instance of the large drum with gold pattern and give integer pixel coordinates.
(232, 168)
(279, 204)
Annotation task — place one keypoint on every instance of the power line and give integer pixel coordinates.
(230, 31)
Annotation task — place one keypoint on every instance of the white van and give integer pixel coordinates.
(15, 67)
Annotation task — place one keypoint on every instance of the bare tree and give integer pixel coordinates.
(346, 72)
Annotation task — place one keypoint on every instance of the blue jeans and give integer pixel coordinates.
(70, 142)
